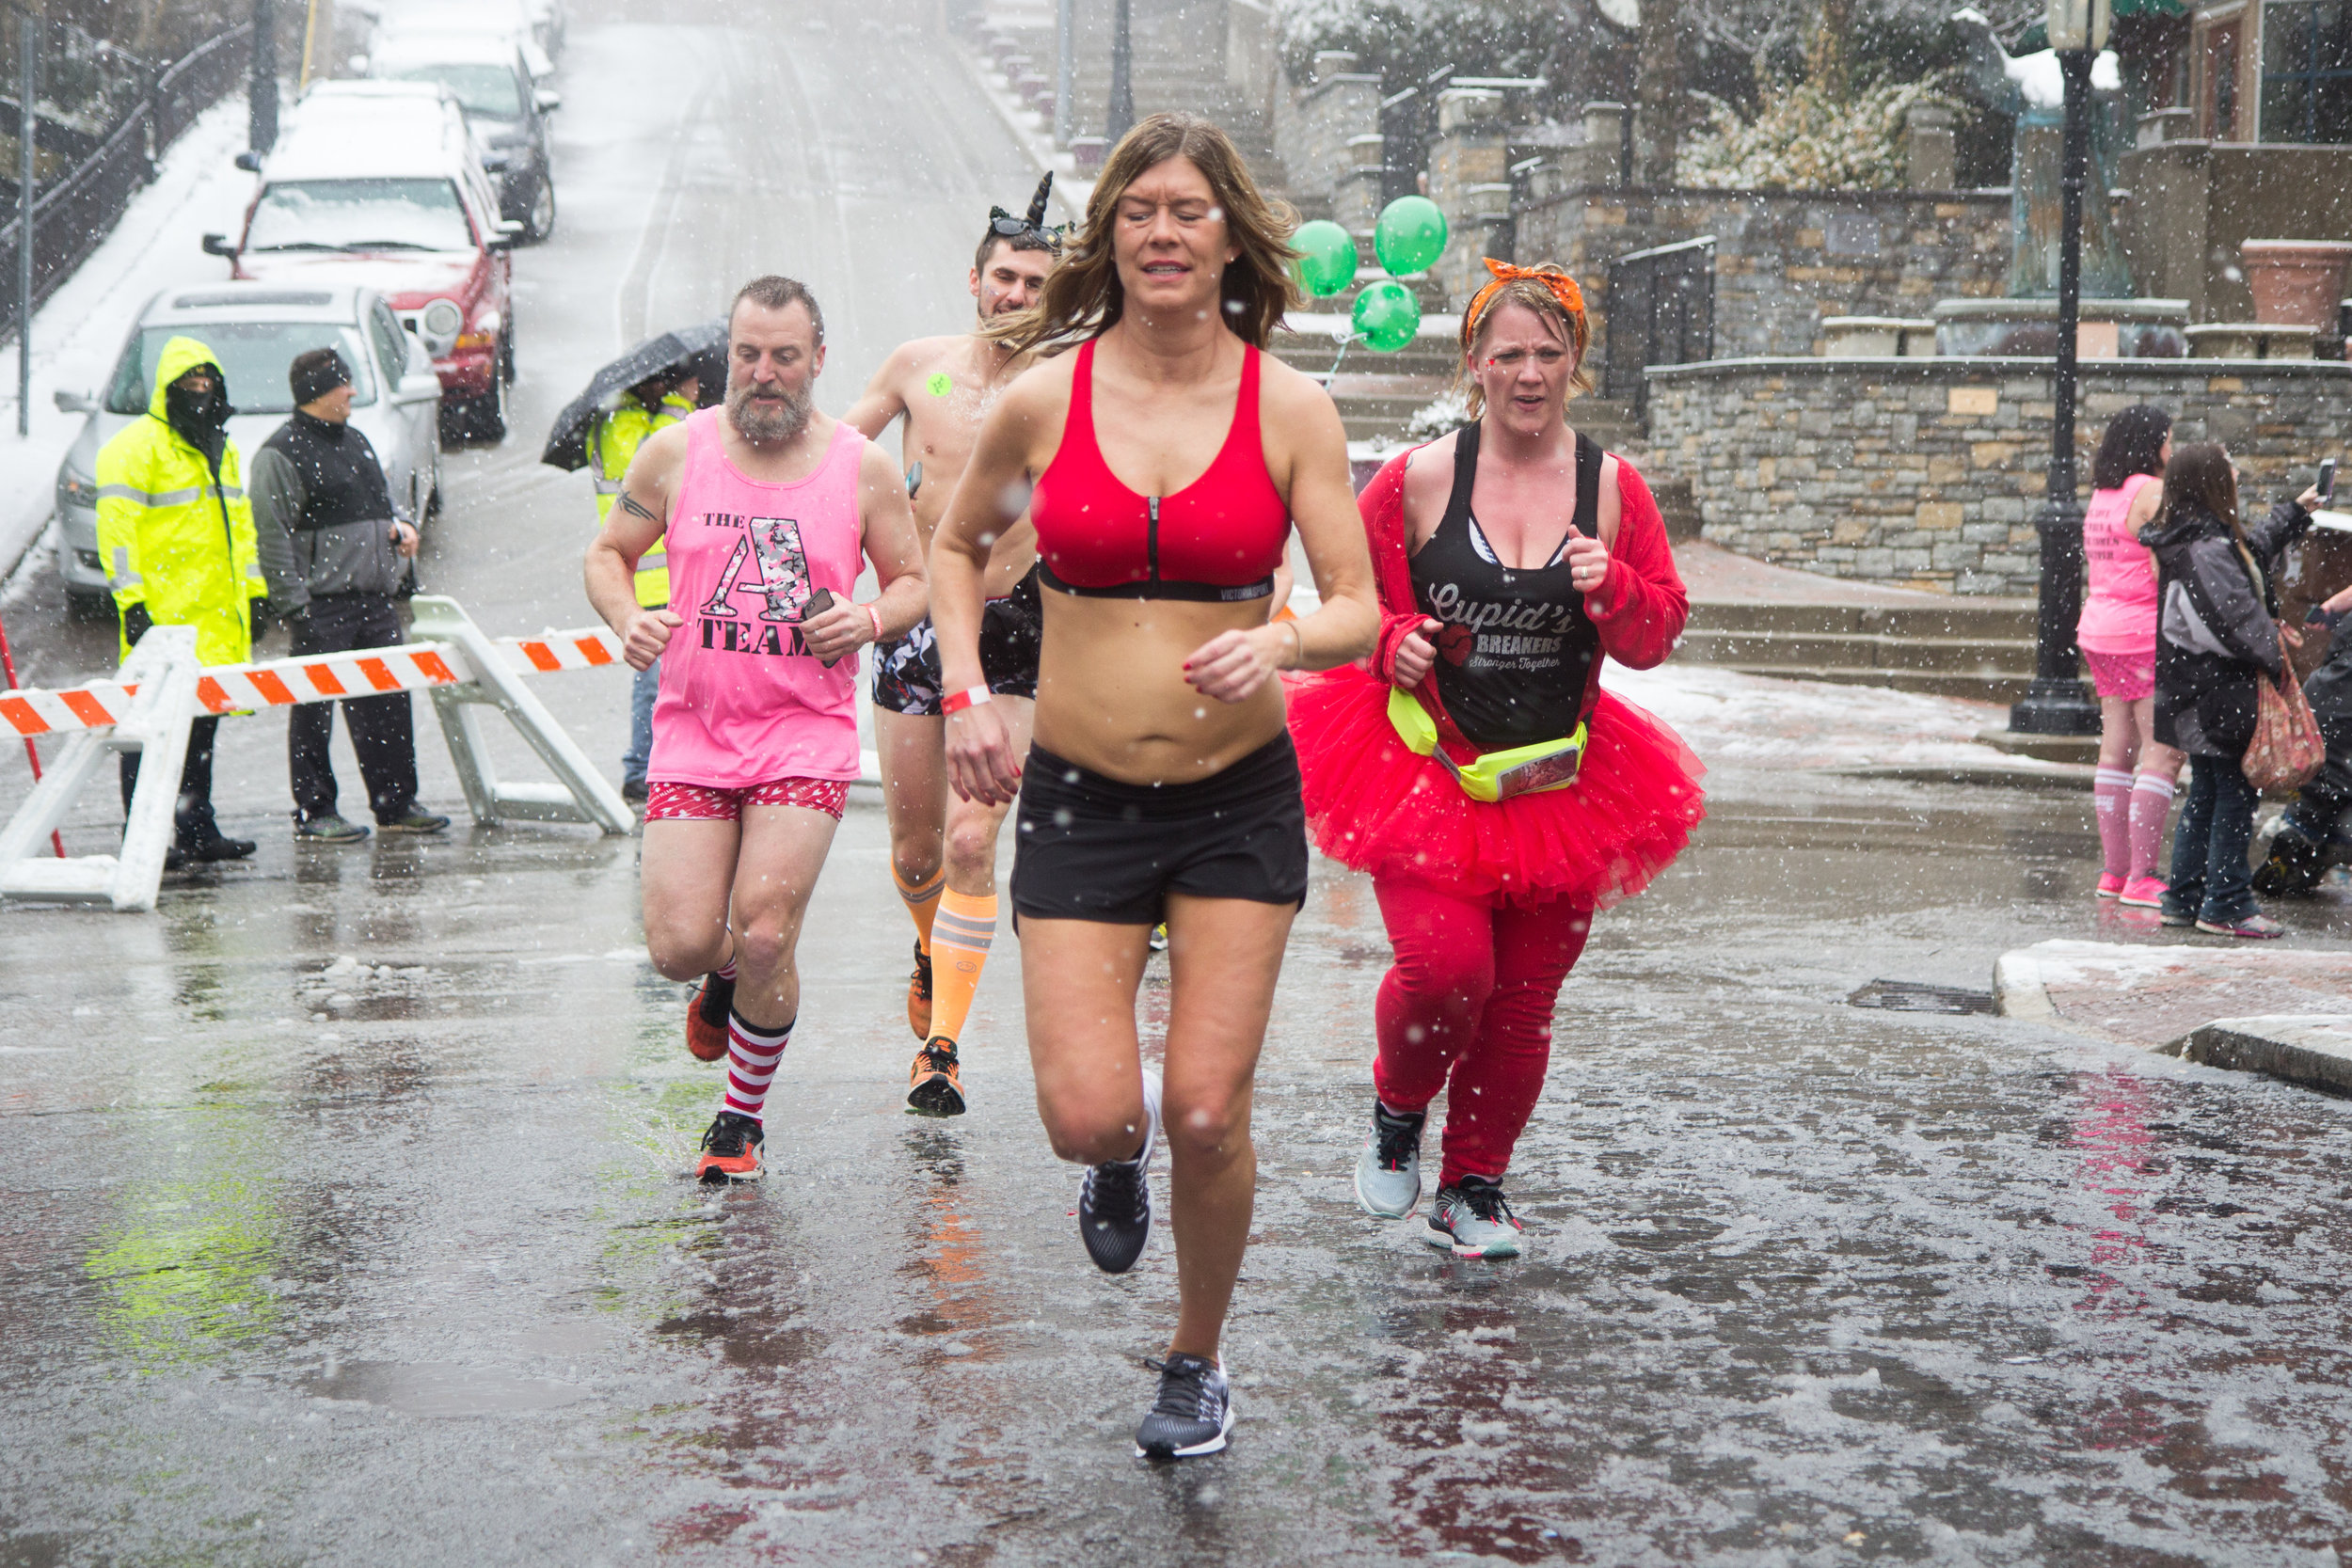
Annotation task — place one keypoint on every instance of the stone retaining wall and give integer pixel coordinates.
(1782, 259)
(1926, 473)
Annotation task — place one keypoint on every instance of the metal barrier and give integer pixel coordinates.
(160, 689)
(76, 213)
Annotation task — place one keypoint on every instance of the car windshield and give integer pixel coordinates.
(480, 90)
(253, 357)
(359, 214)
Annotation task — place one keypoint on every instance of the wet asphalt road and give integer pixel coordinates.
(342, 1215)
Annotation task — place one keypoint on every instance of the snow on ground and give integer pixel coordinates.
(76, 334)
(1730, 719)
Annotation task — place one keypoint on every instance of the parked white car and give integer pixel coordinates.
(256, 329)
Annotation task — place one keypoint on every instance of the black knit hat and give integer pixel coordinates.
(316, 372)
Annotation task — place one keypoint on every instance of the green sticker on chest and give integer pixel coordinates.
(939, 384)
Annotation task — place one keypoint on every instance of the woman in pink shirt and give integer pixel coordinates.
(2118, 638)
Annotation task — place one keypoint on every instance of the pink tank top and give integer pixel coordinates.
(2118, 580)
(742, 700)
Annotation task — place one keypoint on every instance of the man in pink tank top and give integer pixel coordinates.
(770, 507)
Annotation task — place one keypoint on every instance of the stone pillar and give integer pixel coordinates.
(1601, 160)
(1931, 148)
(1470, 181)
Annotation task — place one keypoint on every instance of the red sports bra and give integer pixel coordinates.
(1220, 538)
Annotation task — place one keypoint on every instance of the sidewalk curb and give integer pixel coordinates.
(2311, 1049)
(2064, 778)
(2018, 991)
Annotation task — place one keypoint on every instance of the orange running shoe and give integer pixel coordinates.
(935, 1088)
(706, 1007)
(919, 994)
(731, 1150)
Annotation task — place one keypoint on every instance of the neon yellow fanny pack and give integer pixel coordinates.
(1497, 775)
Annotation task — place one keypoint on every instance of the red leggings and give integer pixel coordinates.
(1467, 1005)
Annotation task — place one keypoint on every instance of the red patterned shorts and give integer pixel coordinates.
(686, 802)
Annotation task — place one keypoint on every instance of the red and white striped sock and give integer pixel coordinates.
(753, 1054)
(727, 972)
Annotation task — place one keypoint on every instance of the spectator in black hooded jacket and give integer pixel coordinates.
(335, 551)
(2217, 636)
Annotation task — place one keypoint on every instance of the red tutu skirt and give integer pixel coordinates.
(1376, 806)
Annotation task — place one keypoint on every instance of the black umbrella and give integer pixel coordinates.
(701, 349)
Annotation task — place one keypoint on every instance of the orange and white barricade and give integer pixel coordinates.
(160, 689)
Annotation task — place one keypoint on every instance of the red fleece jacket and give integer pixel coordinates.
(1639, 609)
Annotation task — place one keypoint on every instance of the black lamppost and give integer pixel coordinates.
(262, 91)
(2058, 702)
(1123, 105)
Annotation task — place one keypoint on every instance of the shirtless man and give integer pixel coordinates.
(769, 509)
(942, 386)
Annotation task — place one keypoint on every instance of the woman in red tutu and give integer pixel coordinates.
(1496, 795)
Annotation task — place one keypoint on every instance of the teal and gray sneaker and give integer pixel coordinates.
(1471, 1219)
(328, 829)
(1193, 1413)
(1387, 1172)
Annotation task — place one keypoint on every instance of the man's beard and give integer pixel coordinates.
(764, 424)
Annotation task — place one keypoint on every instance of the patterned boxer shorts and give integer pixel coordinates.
(686, 802)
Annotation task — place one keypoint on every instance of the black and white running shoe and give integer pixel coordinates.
(1193, 1413)
(1115, 1205)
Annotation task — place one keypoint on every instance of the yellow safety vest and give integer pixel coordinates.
(170, 535)
(611, 446)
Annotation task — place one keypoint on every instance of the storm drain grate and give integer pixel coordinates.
(1907, 996)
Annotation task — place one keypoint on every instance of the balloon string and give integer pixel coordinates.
(1344, 345)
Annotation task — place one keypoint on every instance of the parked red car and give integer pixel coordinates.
(380, 184)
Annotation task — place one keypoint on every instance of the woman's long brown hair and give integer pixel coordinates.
(1083, 298)
(2199, 476)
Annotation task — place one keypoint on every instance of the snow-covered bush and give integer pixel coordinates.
(1443, 414)
(1803, 138)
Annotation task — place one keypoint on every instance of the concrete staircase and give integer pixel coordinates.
(1982, 649)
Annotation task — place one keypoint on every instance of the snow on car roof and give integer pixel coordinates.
(406, 137)
(442, 46)
(246, 300)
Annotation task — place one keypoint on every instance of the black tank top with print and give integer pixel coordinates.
(1516, 646)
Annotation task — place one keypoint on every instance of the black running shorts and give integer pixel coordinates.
(1090, 848)
(1013, 631)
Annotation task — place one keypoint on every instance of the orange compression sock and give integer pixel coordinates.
(966, 925)
(922, 902)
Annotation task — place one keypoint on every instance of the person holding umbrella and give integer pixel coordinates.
(654, 404)
(652, 386)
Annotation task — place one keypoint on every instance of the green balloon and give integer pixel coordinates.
(1410, 235)
(1387, 316)
(1327, 262)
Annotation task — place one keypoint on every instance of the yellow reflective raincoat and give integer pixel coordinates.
(610, 445)
(173, 536)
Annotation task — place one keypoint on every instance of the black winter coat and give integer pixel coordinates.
(2216, 631)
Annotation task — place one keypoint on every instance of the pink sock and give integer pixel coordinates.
(2151, 800)
(751, 1057)
(2113, 789)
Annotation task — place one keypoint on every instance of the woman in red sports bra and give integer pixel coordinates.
(1494, 792)
(1163, 465)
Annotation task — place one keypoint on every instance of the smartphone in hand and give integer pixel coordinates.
(819, 600)
(2326, 485)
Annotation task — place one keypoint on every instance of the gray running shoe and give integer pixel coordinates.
(1193, 1413)
(1388, 1173)
(415, 820)
(330, 829)
(1115, 1205)
(1471, 1219)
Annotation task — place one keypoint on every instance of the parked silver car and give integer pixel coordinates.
(256, 329)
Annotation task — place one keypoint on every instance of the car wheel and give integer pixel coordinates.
(88, 604)
(540, 221)
(506, 346)
(485, 416)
